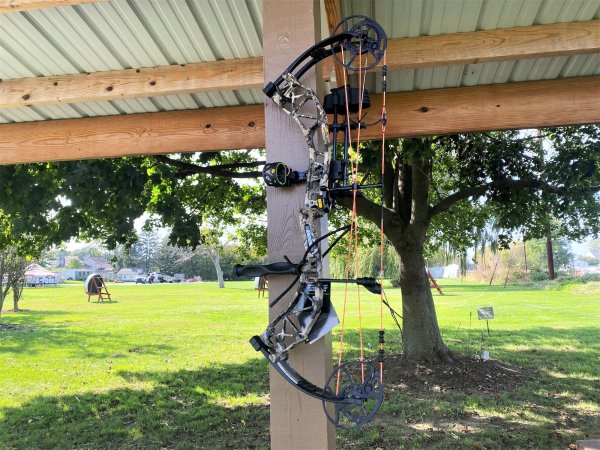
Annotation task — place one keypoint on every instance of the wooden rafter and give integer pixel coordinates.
(333, 10)
(245, 73)
(421, 113)
(8, 6)
(503, 44)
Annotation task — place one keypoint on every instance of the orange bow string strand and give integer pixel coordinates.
(353, 240)
(381, 230)
(352, 227)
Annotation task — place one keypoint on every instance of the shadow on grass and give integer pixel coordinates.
(34, 334)
(213, 408)
(225, 406)
(559, 405)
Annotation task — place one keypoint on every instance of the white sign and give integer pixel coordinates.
(485, 313)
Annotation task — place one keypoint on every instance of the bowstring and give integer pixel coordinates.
(352, 226)
(381, 228)
(361, 90)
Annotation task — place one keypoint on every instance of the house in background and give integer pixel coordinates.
(127, 275)
(593, 254)
(74, 274)
(99, 265)
(89, 264)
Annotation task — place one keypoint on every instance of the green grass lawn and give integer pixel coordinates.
(170, 366)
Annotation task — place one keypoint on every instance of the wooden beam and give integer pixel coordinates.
(135, 134)
(531, 104)
(8, 6)
(333, 10)
(246, 73)
(504, 44)
(297, 420)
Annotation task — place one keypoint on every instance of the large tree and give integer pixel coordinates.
(437, 190)
(444, 189)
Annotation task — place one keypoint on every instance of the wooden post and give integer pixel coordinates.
(297, 420)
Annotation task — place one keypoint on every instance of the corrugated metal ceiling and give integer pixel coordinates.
(122, 34)
(410, 18)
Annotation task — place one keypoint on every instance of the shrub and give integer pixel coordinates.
(590, 277)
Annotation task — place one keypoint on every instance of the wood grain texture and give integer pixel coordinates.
(243, 73)
(8, 6)
(246, 73)
(568, 101)
(135, 134)
(531, 104)
(333, 10)
(297, 420)
(504, 44)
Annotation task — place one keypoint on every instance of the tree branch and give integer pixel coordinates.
(371, 211)
(446, 203)
(186, 169)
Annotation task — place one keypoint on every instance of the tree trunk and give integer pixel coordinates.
(421, 335)
(17, 292)
(550, 256)
(216, 260)
(1, 283)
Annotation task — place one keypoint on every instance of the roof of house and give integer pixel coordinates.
(595, 253)
(126, 271)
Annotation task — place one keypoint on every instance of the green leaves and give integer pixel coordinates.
(45, 204)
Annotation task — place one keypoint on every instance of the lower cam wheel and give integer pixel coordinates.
(362, 398)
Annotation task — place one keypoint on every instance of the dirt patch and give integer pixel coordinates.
(465, 374)
(14, 327)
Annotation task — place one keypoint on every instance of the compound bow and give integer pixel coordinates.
(310, 315)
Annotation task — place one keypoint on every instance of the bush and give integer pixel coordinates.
(396, 283)
(590, 277)
(538, 276)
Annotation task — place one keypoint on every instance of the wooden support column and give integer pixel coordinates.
(297, 420)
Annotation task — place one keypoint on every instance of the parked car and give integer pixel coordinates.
(156, 277)
(140, 280)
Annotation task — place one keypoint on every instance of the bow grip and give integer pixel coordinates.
(258, 270)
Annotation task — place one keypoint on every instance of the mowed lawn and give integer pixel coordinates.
(170, 366)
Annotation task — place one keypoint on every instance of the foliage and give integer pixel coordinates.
(75, 263)
(537, 258)
(53, 202)
(441, 192)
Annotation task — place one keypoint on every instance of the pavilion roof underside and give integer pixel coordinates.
(129, 34)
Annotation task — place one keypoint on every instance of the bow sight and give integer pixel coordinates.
(354, 388)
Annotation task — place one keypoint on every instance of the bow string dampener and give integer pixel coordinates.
(354, 388)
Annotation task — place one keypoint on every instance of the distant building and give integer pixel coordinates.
(99, 265)
(91, 264)
(450, 271)
(593, 254)
(578, 264)
(36, 275)
(127, 274)
(74, 274)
